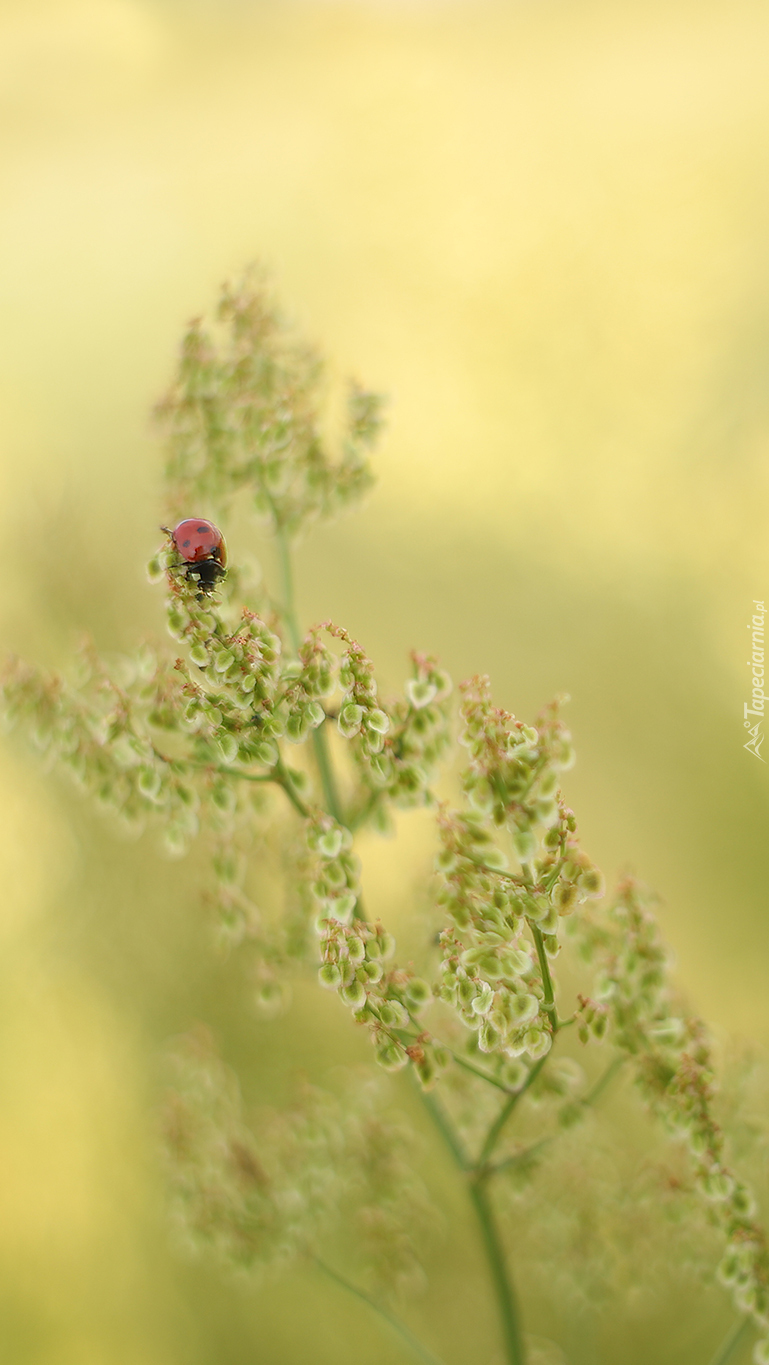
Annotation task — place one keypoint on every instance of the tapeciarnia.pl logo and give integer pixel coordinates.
(756, 662)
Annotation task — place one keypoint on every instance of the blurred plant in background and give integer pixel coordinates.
(262, 736)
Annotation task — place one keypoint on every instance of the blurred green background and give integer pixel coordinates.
(542, 227)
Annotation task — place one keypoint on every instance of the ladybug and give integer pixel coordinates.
(201, 546)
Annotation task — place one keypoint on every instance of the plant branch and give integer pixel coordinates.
(492, 1244)
(495, 1255)
(402, 1330)
(731, 1342)
(547, 981)
(446, 1130)
(603, 1081)
(495, 1131)
(517, 1158)
(477, 1071)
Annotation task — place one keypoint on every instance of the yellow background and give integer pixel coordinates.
(542, 227)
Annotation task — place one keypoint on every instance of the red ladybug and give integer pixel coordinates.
(201, 546)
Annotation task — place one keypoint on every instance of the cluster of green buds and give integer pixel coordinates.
(504, 924)
(396, 750)
(489, 974)
(243, 413)
(306, 681)
(512, 778)
(675, 1072)
(104, 733)
(356, 961)
(335, 870)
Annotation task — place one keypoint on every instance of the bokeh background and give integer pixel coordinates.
(542, 227)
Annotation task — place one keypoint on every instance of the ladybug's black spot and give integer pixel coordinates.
(202, 530)
(185, 543)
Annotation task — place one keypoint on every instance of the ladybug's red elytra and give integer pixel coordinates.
(201, 546)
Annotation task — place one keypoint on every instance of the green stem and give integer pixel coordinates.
(327, 779)
(731, 1342)
(287, 585)
(477, 1071)
(402, 1330)
(603, 1080)
(283, 778)
(319, 737)
(518, 1158)
(492, 1244)
(547, 981)
(589, 1099)
(495, 1131)
(495, 1255)
(444, 1126)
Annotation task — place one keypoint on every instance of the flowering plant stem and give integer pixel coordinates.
(402, 1330)
(500, 1275)
(731, 1342)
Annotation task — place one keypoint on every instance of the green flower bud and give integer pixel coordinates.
(392, 1056)
(420, 693)
(388, 946)
(465, 991)
(343, 906)
(552, 946)
(488, 1036)
(521, 1009)
(546, 811)
(350, 718)
(716, 1185)
(199, 655)
(515, 1073)
(177, 623)
(525, 845)
(374, 971)
(517, 962)
(393, 1014)
(223, 659)
(538, 1043)
(418, 994)
(149, 782)
(549, 921)
(266, 752)
(354, 995)
(743, 1202)
(315, 714)
(156, 568)
(566, 897)
(330, 976)
(591, 882)
(228, 747)
(378, 721)
(729, 1267)
(482, 1000)
(356, 948)
(248, 683)
(296, 727)
(330, 843)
